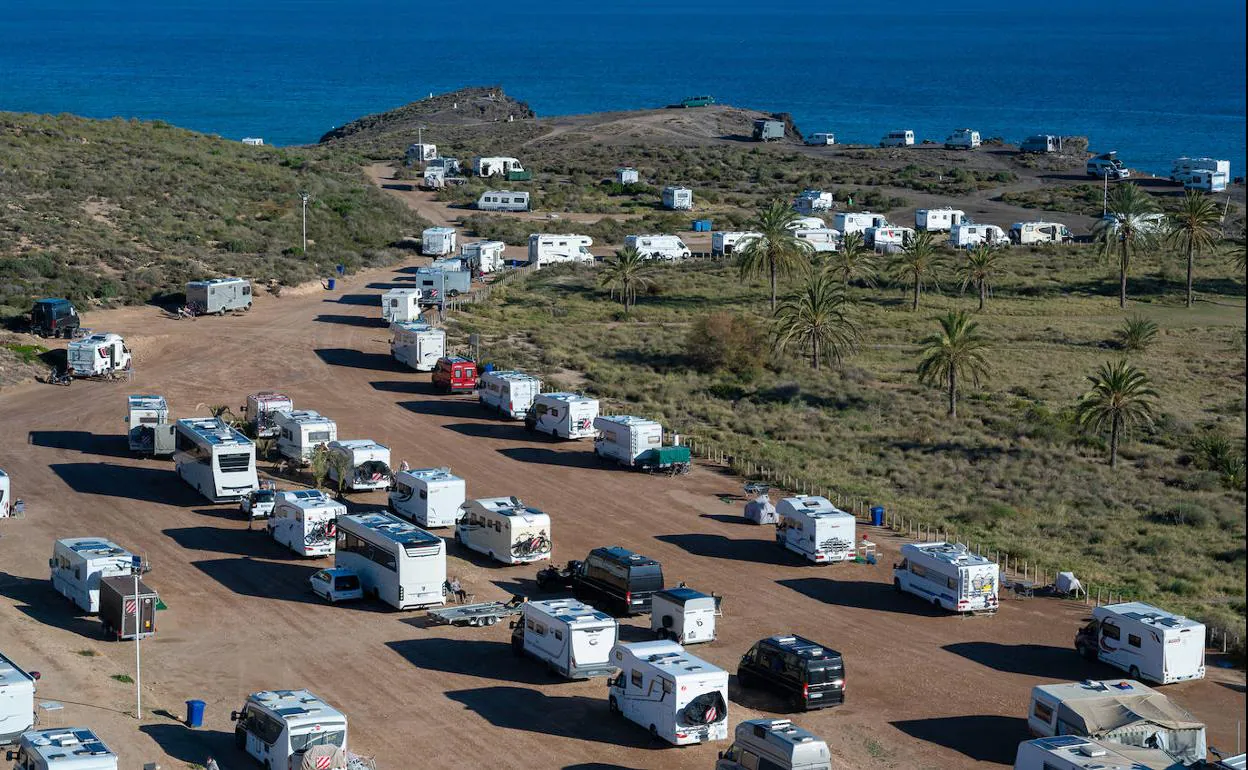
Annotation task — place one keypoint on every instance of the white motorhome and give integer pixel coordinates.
(78, 563)
(962, 139)
(451, 264)
(968, 236)
(683, 615)
(677, 198)
(1204, 179)
(417, 345)
(935, 220)
(1107, 165)
(563, 415)
(430, 497)
(624, 438)
(301, 431)
(505, 529)
(483, 256)
(63, 748)
(260, 409)
(215, 459)
(1070, 752)
(820, 240)
(810, 201)
(665, 247)
(1030, 233)
(948, 575)
(437, 241)
(572, 639)
(806, 223)
(399, 305)
(6, 495)
(305, 521)
(367, 464)
(17, 700)
(277, 727)
(821, 139)
(419, 152)
(509, 393)
(1120, 711)
(550, 249)
(499, 166)
(143, 414)
(437, 285)
(898, 138)
(98, 354)
(815, 529)
(857, 222)
(724, 243)
(774, 744)
(503, 200)
(398, 562)
(627, 175)
(1151, 644)
(678, 697)
(888, 239)
(218, 295)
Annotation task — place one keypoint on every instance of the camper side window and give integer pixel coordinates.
(539, 629)
(558, 634)
(423, 494)
(1043, 712)
(1133, 640)
(636, 678)
(917, 570)
(667, 686)
(1111, 631)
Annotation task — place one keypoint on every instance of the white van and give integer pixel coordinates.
(888, 239)
(564, 415)
(968, 236)
(1029, 233)
(97, 355)
(962, 139)
(935, 220)
(810, 201)
(17, 700)
(821, 139)
(726, 242)
(277, 727)
(366, 462)
(1151, 644)
(678, 697)
(814, 528)
(774, 744)
(549, 249)
(301, 431)
(78, 563)
(898, 138)
(430, 497)
(1108, 166)
(417, 345)
(505, 529)
(683, 615)
(396, 561)
(665, 247)
(306, 521)
(398, 305)
(821, 240)
(857, 222)
(510, 393)
(572, 639)
(63, 748)
(949, 575)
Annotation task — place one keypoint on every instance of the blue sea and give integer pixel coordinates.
(1153, 79)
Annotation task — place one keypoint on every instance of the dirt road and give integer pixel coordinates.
(924, 690)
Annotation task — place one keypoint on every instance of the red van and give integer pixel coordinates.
(453, 374)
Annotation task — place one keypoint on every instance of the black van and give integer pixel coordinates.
(53, 317)
(808, 675)
(617, 581)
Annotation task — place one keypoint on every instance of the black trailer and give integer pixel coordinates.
(120, 607)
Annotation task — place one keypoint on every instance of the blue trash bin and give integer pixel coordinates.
(194, 713)
(342, 269)
(877, 515)
(487, 368)
(331, 284)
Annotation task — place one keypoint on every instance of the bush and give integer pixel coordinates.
(1136, 334)
(730, 341)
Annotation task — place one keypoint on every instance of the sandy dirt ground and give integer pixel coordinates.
(924, 690)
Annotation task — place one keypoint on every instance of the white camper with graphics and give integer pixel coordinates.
(505, 529)
(573, 639)
(948, 575)
(367, 464)
(820, 240)
(143, 414)
(726, 242)
(815, 529)
(399, 305)
(550, 249)
(668, 248)
(483, 256)
(509, 393)
(563, 415)
(78, 563)
(17, 699)
(306, 521)
(938, 220)
(301, 431)
(1031, 233)
(417, 345)
(63, 748)
(278, 727)
(430, 497)
(397, 562)
(260, 409)
(1149, 643)
(857, 221)
(98, 355)
(968, 236)
(676, 696)
(774, 744)
(218, 295)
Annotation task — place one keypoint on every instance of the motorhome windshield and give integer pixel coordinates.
(306, 740)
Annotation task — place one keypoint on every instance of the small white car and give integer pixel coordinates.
(337, 584)
(258, 504)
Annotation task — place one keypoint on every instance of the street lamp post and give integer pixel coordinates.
(136, 568)
(305, 197)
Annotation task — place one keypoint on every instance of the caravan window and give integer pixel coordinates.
(917, 570)
(558, 634)
(539, 629)
(1043, 712)
(408, 490)
(1111, 631)
(318, 435)
(636, 678)
(1133, 640)
(308, 740)
(667, 686)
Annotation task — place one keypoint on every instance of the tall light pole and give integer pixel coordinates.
(305, 197)
(136, 568)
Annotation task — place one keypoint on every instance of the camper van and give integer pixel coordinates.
(78, 563)
(504, 529)
(6, 496)
(420, 152)
(277, 727)
(367, 464)
(898, 138)
(625, 438)
(935, 220)
(399, 305)
(305, 521)
(62, 748)
(454, 374)
(1031, 233)
(821, 139)
(1151, 644)
(889, 239)
(665, 247)
(820, 240)
(768, 130)
(678, 697)
(811, 201)
(627, 175)
(398, 562)
(962, 139)
(17, 700)
(1204, 174)
(99, 354)
(725, 243)
(143, 414)
(503, 200)
(968, 236)
(774, 744)
(573, 639)
(857, 222)
(417, 345)
(617, 581)
(436, 286)
(261, 408)
(509, 393)
(504, 167)
(676, 198)
(550, 249)
(218, 295)
(807, 223)
(215, 459)
(301, 431)
(683, 615)
(1069, 752)
(54, 317)
(563, 415)
(1107, 166)
(437, 241)
(1041, 143)
(1121, 711)
(815, 529)
(807, 675)
(430, 497)
(483, 256)
(948, 575)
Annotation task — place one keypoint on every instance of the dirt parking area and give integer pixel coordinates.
(924, 690)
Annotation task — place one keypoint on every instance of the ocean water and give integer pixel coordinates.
(1153, 79)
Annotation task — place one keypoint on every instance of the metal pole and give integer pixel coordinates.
(303, 196)
(138, 660)
(1105, 197)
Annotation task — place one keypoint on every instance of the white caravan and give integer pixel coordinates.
(889, 239)
(143, 414)
(551, 249)
(563, 415)
(260, 409)
(419, 152)
(451, 264)
(573, 639)
(503, 200)
(806, 223)
(508, 393)
(1205, 174)
(935, 220)
(430, 497)
(627, 175)
(217, 295)
(505, 529)
(678, 697)
(676, 198)
(962, 139)
(500, 166)
(78, 563)
(277, 727)
(857, 222)
(968, 236)
(821, 139)
(1120, 711)
(683, 615)
(898, 138)
(724, 243)
(398, 562)
(820, 240)
(948, 575)
(17, 700)
(305, 521)
(1070, 752)
(624, 438)
(666, 247)
(6, 496)
(437, 241)
(215, 459)
(774, 744)
(63, 748)
(1151, 644)
(367, 464)
(483, 256)
(398, 305)
(301, 431)
(99, 354)
(1031, 233)
(810, 201)
(417, 345)
(815, 529)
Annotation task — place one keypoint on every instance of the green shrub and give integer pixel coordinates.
(729, 341)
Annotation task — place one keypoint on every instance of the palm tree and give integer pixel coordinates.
(957, 350)
(1129, 225)
(818, 317)
(853, 260)
(776, 250)
(1121, 396)
(1196, 226)
(916, 264)
(625, 274)
(982, 265)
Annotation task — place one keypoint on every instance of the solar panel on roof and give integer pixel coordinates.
(1061, 742)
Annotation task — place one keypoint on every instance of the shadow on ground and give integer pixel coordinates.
(38, 600)
(567, 716)
(108, 445)
(444, 408)
(356, 359)
(1040, 660)
(572, 459)
(486, 659)
(236, 542)
(351, 320)
(862, 594)
(150, 485)
(985, 738)
(194, 747)
(720, 547)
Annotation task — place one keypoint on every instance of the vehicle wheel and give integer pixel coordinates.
(613, 706)
(654, 731)
(797, 703)
(746, 681)
(491, 620)
(268, 764)
(220, 313)
(936, 603)
(1088, 653)
(897, 585)
(240, 740)
(1134, 673)
(517, 648)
